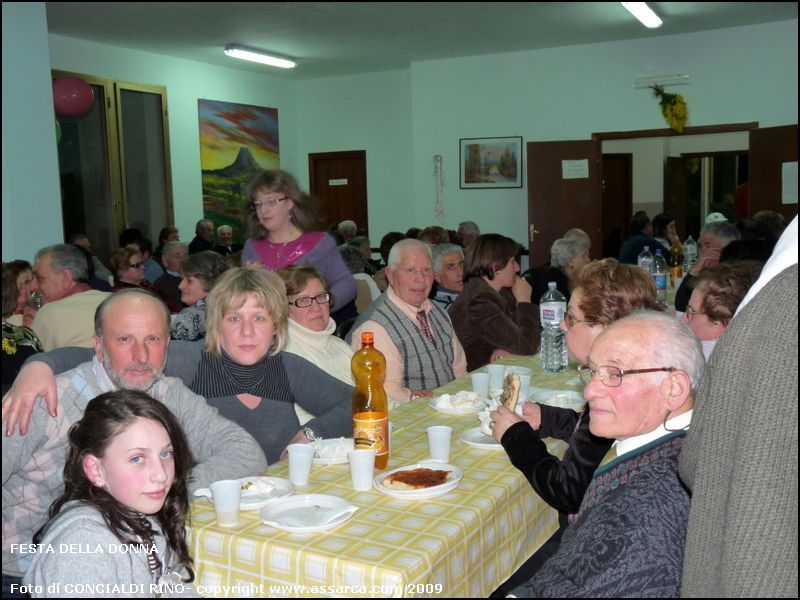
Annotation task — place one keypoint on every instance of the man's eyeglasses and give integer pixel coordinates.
(268, 203)
(571, 321)
(612, 376)
(306, 301)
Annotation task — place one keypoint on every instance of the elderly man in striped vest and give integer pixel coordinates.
(416, 336)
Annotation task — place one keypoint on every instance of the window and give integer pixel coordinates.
(114, 163)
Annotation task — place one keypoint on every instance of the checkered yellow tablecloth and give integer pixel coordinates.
(462, 544)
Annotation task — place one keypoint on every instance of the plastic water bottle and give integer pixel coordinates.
(645, 259)
(689, 254)
(552, 307)
(660, 273)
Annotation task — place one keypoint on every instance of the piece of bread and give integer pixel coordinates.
(510, 391)
(416, 479)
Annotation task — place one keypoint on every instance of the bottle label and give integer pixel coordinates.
(371, 432)
(552, 313)
(660, 279)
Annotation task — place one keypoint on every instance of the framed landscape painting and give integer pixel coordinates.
(491, 162)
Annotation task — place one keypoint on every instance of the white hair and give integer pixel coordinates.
(442, 250)
(673, 343)
(347, 227)
(395, 254)
(564, 251)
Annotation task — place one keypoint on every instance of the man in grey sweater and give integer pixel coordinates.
(131, 338)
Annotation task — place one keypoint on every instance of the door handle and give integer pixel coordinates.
(531, 232)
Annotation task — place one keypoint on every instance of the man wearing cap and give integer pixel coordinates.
(714, 236)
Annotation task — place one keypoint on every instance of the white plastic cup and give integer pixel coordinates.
(227, 495)
(362, 467)
(300, 458)
(496, 374)
(480, 384)
(524, 387)
(439, 442)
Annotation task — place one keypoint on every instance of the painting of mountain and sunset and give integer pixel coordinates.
(236, 142)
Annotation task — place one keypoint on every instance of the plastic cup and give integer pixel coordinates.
(496, 374)
(439, 442)
(300, 458)
(227, 495)
(480, 384)
(362, 466)
(524, 387)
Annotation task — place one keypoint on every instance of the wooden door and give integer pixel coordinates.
(562, 194)
(616, 200)
(769, 149)
(339, 180)
(676, 198)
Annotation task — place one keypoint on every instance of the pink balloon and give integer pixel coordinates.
(72, 96)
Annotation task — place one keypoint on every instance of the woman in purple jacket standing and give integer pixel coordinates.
(281, 222)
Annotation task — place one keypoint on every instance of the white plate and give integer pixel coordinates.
(423, 494)
(456, 411)
(285, 514)
(558, 398)
(341, 460)
(477, 439)
(252, 500)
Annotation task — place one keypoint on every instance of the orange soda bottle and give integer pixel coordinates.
(675, 263)
(370, 405)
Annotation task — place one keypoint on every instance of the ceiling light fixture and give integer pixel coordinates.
(644, 13)
(259, 56)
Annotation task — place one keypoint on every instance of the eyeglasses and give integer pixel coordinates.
(612, 376)
(268, 203)
(136, 265)
(692, 313)
(571, 321)
(306, 301)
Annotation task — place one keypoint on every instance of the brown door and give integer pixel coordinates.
(339, 180)
(562, 195)
(616, 200)
(769, 149)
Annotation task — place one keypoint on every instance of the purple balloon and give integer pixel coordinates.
(72, 96)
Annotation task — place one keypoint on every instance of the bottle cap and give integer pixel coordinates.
(367, 338)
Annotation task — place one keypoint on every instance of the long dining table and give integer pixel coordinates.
(462, 544)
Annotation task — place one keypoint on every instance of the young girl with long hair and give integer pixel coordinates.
(118, 528)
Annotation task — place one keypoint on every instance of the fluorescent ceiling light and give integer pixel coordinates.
(259, 56)
(644, 13)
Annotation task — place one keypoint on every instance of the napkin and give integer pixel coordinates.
(258, 487)
(460, 401)
(491, 405)
(333, 448)
(311, 516)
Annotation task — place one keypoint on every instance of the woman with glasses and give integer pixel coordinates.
(282, 222)
(494, 311)
(198, 274)
(715, 298)
(603, 292)
(128, 268)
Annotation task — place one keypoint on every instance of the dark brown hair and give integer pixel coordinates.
(489, 253)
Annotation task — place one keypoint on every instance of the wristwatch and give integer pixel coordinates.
(309, 434)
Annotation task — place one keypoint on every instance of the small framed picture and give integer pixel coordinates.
(490, 162)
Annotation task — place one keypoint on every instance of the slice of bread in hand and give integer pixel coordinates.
(510, 391)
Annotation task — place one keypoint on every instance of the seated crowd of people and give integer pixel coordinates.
(217, 356)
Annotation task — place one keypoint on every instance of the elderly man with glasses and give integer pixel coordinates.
(627, 538)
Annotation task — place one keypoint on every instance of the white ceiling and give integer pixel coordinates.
(340, 38)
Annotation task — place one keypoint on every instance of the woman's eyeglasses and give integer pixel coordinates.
(692, 313)
(137, 265)
(306, 301)
(611, 376)
(268, 203)
(571, 321)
